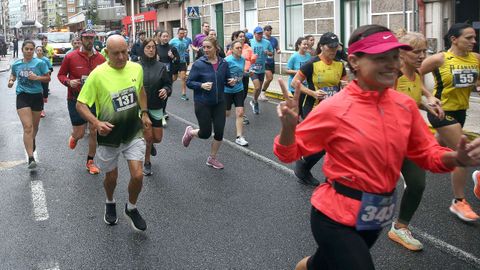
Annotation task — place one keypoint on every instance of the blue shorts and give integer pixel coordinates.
(75, 117)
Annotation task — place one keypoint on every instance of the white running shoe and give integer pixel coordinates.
(241, 141)
(405, 238)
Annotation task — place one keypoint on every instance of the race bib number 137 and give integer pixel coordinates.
(124, 99)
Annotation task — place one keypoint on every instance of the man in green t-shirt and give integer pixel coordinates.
(116, 89)
(47, 49)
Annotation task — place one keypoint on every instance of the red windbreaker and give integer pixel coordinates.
(75, 65)
(367, 135)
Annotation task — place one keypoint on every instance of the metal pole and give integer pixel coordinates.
(133, 20)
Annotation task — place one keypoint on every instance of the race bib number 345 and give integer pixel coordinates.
(464, 77)
(124, 99)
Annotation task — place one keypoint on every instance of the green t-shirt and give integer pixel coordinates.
(115, 93)
(50, 52)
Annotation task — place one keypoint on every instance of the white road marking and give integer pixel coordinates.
(39, 201)
(10, 164)
(439, 244)
(49, 266)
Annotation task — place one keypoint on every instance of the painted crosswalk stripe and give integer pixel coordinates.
(39, 201)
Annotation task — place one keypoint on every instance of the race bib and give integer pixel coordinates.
(330, 90)
(464, 77)
(257, 67)
(124, 99)
(376, 211)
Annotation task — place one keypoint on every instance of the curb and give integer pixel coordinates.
(7, 69)
(470, 134)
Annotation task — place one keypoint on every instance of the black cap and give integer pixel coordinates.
(329, 39)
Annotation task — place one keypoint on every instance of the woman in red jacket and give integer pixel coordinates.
(367, 130)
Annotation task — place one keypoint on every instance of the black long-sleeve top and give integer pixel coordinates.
(155, 77)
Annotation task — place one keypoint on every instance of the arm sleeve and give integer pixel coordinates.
(423, 149)
(311, 135)
(167, 81)
(193, 77)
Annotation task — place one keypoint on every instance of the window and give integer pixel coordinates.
(71, 1)
(71, 9)
(356, 14)
(251, 20)
(293, 22)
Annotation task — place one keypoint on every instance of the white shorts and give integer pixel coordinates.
(107, 156)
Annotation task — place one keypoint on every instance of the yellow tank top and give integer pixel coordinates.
(455, 79)
(411, 88)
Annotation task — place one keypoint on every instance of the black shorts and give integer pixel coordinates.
(258, 76)
(451, 118)
(75, 117)
(32, 101)
(234, 98)
(178, 67)
(155, 123)
(270, 67)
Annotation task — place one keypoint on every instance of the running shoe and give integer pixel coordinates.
(136, 220)
(404, 237)
(32, 164)
(184, 97)
(72, 143)
(262, 96)
(476, 181)
(153, 151)
(245, 120)
(255, 108)
(110, 216)
(463, 210)
(147, 169)
(241, 141)
(92, 168)
(187, 136)
(42, 114)
(213, 162)
(303, 175)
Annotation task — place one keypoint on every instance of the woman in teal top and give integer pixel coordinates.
(29, 73)
(300, 57)
(46, 90)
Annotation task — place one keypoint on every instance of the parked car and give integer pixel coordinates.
(61, 43)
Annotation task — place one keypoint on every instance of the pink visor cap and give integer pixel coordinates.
(377, 43)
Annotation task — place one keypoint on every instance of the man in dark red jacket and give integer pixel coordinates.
(76, 67)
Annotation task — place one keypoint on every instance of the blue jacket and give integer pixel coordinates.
(202, 71)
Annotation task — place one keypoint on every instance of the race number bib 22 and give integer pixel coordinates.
(464, 77)
(125, 99)
(376, 211)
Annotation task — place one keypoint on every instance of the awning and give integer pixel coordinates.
(24, 24)
(77, 18)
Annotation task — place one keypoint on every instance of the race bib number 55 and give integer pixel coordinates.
(124, 99)
(464, 77)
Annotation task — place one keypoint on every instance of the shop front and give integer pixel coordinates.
(146, 21)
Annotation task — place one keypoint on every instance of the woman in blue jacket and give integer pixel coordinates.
(208, 77)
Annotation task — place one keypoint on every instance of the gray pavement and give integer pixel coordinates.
(251, 215)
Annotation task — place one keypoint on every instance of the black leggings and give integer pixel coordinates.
(45, 89)
(245, 81)
(208, 115)
(415, 181)
(339, 246)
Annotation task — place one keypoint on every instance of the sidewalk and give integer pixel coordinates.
(472, 124)
(5, 62)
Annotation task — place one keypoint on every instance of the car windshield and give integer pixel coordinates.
(58, 37)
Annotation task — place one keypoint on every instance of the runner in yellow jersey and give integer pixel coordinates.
(456, 74)
(323, 75)
(410, 82)
(48, 49)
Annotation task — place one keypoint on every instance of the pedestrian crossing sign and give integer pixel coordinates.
(193, 12)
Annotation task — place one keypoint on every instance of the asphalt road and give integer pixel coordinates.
(251, 215)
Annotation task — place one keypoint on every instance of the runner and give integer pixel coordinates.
(198, 40)
(262, 49)
(15, 47)
(180, 68)
(270, 61)
(30, 72)
(250, 58)
(410, 82)
(47, 49)
(311, 43)
(300, 57)
(76, 44)
(324, 76)
(158, 86)
(137, 49)
(116, 89)
(235, 94)
(221, 53)
(363, 161)
(39, 51)
(208, 77)
(73, 72)
(167, 55)
(456, 74)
